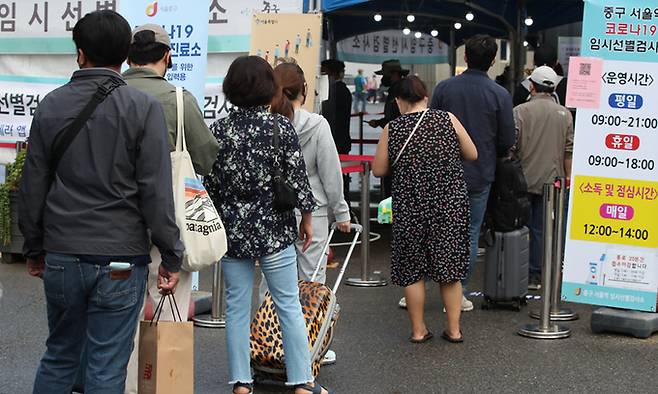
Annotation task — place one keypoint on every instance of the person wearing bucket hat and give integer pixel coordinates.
(544, 146)
(391, 72)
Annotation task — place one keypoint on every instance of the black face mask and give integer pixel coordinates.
(386, 80)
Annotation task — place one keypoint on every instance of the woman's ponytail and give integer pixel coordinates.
(290, 85)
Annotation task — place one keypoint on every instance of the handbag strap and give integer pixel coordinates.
(181, 144)
(276, 144)
(64, 138)
(410, 136)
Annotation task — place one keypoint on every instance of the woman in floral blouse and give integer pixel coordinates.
(241, 187)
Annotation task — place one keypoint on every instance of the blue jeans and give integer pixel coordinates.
(478, 204)
(536, 227)
(280, 270)
(359, 98)
(85, 306)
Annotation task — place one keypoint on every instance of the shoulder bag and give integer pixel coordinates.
(385, 208)
(285, 197)
(201, 229)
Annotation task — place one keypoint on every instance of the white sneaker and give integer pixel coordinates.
(329, 358)
(403, 303)
(467, 305)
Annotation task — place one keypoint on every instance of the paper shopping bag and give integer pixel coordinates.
(166, 357)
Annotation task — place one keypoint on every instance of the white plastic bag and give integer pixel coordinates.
(201, 229)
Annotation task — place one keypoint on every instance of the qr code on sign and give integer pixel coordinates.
(585, 69)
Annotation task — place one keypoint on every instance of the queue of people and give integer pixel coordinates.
(110, 198)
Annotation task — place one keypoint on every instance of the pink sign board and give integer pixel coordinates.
(584, 83)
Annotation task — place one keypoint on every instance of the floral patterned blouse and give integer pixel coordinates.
(240, 183)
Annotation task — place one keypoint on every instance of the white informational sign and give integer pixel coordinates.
(185, 21)
(44, 26)
(612, 235)
(215, 105)
(377, 47)
(230, 21)
(19, 97)
(567, 47)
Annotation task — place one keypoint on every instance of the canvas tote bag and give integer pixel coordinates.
(166, 353)
(201, 229)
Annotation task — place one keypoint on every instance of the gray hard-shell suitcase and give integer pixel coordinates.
(506, 269)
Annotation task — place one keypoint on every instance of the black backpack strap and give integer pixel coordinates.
(64, 138)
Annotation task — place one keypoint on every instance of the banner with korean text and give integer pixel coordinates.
(44, 26)
(185, 21)
(380, 46)
(20, 96)
(612, 236)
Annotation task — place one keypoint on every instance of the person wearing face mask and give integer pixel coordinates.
(392, 73)
(149, 58)
(96, 192)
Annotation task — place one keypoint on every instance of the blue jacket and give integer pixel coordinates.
(485, 110)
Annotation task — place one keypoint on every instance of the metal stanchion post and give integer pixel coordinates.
(366, 280)
(216, 317)
(361, 133)
(545, 329)
(557, 312)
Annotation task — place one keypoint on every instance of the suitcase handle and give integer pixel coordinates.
(358, 229)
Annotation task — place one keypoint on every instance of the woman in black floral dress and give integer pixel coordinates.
(430, 204)
(241, 187)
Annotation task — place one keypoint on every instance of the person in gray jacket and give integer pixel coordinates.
(89, 222)
(323, 168)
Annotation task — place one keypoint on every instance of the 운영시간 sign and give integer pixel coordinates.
(612, 235)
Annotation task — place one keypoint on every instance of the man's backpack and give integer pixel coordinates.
(509, 205)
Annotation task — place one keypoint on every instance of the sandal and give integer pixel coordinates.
(424, 339)
(244, 385)
(450, 339)
(317, 389)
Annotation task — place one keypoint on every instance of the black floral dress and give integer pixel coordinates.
(240, 183)
(430, 203)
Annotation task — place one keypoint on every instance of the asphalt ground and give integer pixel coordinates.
(374, 354)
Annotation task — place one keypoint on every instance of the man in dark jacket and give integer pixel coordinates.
(485, 110)
(337, 108)
(544, 56)
(392, 73)
(90, 217)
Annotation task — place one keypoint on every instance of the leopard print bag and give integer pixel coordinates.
(320, 309)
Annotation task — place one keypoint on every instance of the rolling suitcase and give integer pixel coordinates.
(320, 309)
(506, 269)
